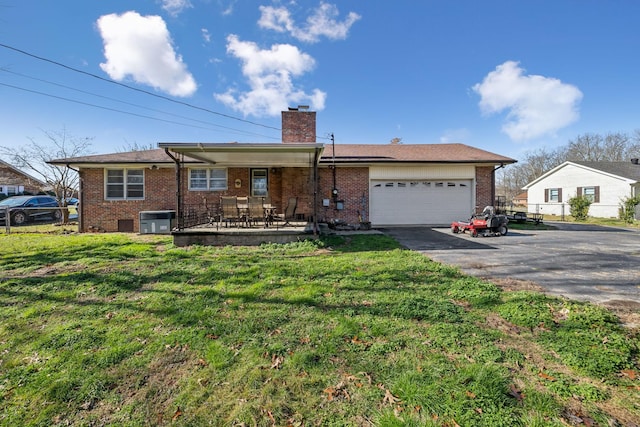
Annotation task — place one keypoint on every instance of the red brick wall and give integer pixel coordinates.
(353, 188)
(160, 194)
(96, 213)
(484, 187)
(10, 177)
(298, 126)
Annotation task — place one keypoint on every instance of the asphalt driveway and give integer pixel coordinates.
(583, 262)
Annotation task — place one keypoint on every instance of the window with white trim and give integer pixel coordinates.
(124, 184)
(591, 193)
(209, 179)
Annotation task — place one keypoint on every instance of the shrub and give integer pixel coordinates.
(628, 209)
(579, 207)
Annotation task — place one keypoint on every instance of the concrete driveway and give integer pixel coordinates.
(582, 262)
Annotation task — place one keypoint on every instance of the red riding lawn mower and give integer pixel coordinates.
(487, 223)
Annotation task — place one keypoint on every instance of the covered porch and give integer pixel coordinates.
(275, 174)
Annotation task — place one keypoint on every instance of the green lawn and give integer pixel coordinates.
(128, 330)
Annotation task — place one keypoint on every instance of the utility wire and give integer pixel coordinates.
(123, 102)
(103, 107)
(166, 98)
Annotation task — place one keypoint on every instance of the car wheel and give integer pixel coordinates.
(19, 218)
(503, 230)
(57, 215)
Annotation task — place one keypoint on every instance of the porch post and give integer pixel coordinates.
(179, 217)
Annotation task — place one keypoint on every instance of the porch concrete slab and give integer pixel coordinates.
(249, 236)
(581, 262)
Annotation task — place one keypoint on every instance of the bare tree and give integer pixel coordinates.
(33, 158)
(612, 147)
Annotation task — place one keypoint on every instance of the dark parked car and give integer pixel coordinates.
(23, 209)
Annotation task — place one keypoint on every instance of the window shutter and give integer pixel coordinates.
(596, 197)
(559, 195)
(579, 191)
(546, 195)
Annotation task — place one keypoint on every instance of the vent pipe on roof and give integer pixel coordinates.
(634, 161)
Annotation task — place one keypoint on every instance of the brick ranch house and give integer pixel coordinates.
(392, 184)
(13, 181)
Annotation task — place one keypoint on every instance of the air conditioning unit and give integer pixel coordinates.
(157, 222)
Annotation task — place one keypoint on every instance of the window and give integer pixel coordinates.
(124, 184)
(208, 179)
(259, 182)
(553, 195)
(591, 193)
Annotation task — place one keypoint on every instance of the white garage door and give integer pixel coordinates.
(433, 202)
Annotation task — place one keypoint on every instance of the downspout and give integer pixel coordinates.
(178, 190)
(316, 159)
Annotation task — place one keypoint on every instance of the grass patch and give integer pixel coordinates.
(117, 329)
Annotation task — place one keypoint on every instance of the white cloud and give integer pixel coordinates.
(141, 47)
(269, 74)
(321, 23)
(175, 7)
(536, 105)
(206, 35)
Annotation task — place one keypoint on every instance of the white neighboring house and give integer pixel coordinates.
(606, 183)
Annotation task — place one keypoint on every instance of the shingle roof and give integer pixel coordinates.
(436, 153)
(624, 169)
(143, 156)
(345, 153)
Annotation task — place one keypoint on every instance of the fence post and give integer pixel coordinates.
(7, 220)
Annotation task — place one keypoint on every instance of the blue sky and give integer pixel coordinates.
(502, 75)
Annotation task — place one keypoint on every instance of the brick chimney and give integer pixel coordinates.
(299, 125)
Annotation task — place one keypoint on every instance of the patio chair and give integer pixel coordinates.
(289, 212)
(229, 211)
(242, 204)
(255, 210)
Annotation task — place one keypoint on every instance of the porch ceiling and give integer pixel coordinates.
(249, 155)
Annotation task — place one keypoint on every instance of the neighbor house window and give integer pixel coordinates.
(214, 179)
(124, 184)
(553, 195)
(259, 182)
(591, 193)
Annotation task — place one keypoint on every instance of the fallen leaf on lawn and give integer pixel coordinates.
(470, 394)
(629, 373)
(275, 332)
(202, 362)
(212, 337)
(389, 398)
(177, 415)
(478, 410)
(545, 376)
(331, 392)
(276, 361)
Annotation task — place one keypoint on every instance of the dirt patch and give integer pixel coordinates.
(627, 311)
(517, 285)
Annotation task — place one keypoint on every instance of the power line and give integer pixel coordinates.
(122, 102)
(103, 107)
(166, 98)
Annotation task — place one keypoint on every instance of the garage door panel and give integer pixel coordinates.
(420, 202)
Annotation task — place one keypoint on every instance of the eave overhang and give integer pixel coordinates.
(249, 155)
